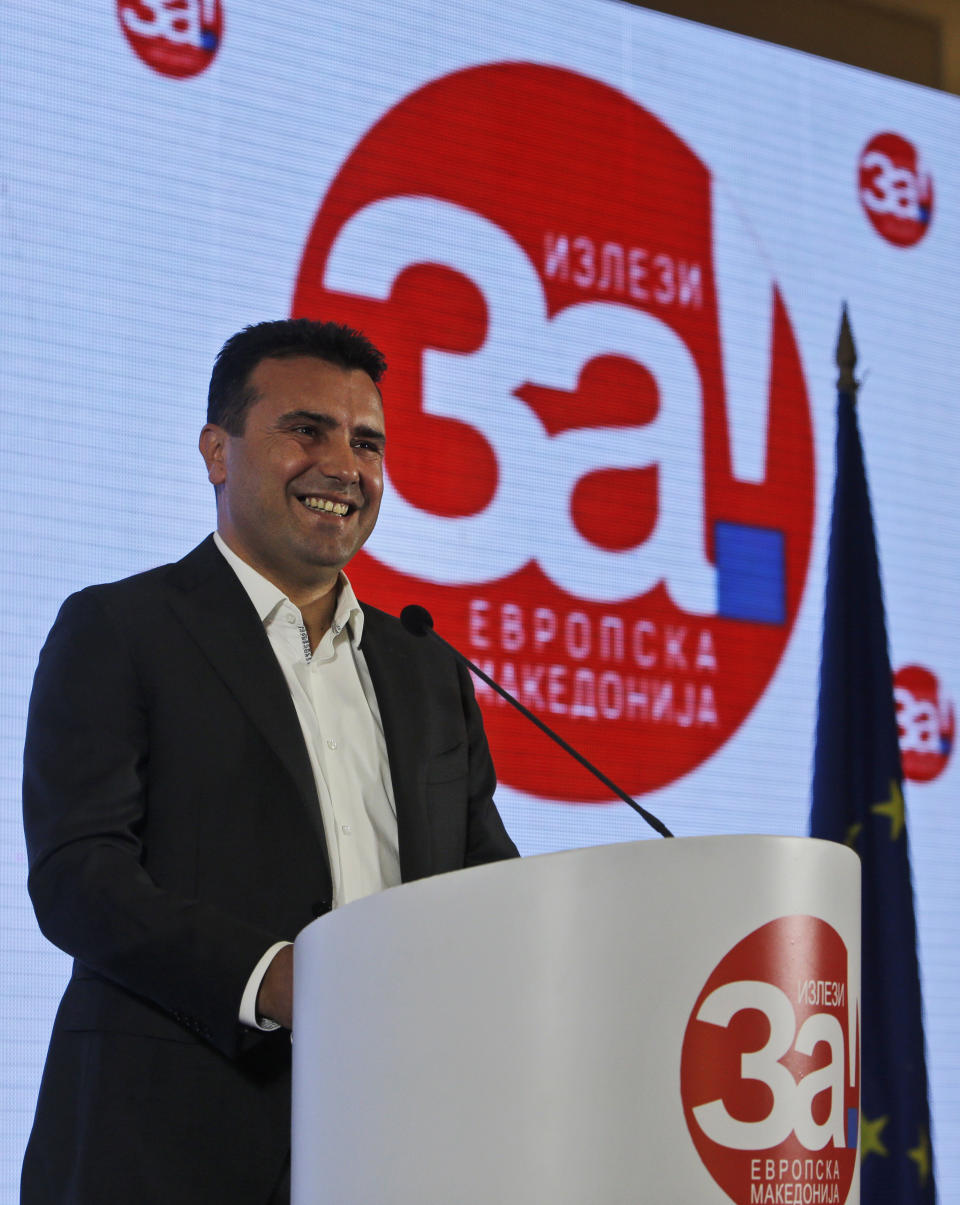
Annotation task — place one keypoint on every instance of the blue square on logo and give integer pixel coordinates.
(853, 1119)
(751, 573)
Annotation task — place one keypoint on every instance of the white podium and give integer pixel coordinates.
(598, 1027)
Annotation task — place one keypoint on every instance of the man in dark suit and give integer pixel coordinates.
(219, 751)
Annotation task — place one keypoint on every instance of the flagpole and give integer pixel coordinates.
(857, 799)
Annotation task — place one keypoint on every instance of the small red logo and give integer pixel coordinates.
(770, 1071)
(896, 190)
(925, 720)
(178, 38)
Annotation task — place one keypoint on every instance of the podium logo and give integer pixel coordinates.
(926, 723)
(601, 465)
(178, 38)
(896, 190)
(770, 1067)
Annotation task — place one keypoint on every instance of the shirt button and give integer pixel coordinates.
(331, 744)
(336, 629)
(345, 828)
(291, 618)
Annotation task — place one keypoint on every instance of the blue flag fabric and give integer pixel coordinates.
(858, 800)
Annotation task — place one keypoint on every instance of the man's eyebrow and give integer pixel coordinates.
(370, 433)
(292, 417)
(305, 416)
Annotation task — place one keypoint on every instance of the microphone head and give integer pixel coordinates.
(417, 620)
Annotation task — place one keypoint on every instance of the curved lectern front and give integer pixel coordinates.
(662, 1021)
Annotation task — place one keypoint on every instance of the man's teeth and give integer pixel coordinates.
(336, 508)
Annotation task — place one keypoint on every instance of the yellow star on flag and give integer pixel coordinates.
(920, 1154)
(870, 1140)
(853, 832)
(892, 807)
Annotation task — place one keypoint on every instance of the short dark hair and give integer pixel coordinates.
(230, 395)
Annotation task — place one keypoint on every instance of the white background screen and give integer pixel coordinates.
(604, 251)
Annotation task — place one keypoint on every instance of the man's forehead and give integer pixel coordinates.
(311, 384)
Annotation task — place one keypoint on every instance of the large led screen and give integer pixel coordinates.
(605, 252)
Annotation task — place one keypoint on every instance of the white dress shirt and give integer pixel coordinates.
(338, 713)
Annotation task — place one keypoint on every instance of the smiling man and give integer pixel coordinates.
(219, 751)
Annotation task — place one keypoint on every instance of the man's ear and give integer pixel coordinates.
(213, 444)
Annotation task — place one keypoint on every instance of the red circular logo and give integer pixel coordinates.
(770, 1066)
(925, 719)
(601, 473)
(178, 38)
(896, 190)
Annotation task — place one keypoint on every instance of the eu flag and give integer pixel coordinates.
(858, 799)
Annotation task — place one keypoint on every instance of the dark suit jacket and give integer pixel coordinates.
(174, 834)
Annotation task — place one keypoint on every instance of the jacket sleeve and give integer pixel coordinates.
(487, 839)
(87, 814)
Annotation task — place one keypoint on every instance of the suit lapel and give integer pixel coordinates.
(402, 695)
(211, 603)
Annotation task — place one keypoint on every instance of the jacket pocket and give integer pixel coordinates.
(93, 1003)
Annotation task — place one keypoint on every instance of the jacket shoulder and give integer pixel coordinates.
(194, 567)
(132, 603)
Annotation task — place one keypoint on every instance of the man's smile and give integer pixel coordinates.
(316, 503)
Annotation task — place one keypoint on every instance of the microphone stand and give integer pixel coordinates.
(419, 622)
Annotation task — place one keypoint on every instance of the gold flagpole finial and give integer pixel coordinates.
(846, 356)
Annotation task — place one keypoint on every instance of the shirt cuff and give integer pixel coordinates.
(248, 1002)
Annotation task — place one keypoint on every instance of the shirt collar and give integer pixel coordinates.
(268, 598)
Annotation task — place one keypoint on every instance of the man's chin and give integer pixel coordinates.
(332, 556)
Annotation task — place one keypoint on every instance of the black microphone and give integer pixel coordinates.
(419, 622)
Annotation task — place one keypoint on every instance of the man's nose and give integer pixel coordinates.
(337, 459)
